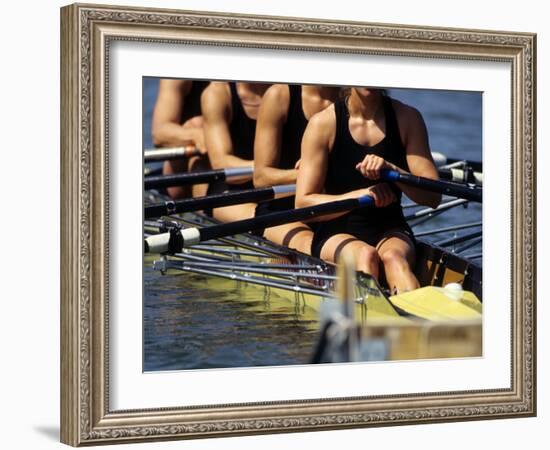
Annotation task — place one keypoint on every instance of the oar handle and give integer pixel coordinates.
(166, 154)
(465, 191)
(216, 200)
(186, 179)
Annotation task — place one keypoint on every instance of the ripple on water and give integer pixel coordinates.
(187, 326)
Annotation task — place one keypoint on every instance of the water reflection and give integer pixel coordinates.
(191, 322)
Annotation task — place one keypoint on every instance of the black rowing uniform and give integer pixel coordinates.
(192, 103)
(243, 131)
(368, 224)
(291, 144)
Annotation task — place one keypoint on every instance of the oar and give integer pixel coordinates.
(461, 171)
(177, 239)
(217, 200)
(190, 178)
(461, 190)
(167, 153)
(185, 179)
(442, 161)
(150, 171)
(164, 154)
(461, 175)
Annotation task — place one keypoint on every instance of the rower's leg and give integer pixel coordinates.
(397, 255)
(235, 212)
(365, 255)
(172, 168)
(199, 164)
(297, 236)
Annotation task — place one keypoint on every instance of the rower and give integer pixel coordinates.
(177, 122)
(282, 120)
(344, 149)
(230, 111)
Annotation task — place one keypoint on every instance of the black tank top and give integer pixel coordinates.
(294, 129)
(342, 176)
(241, 127)
(192, 102)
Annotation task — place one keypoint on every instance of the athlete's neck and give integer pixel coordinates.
(365, 104)
(253, 88)
(251, 93)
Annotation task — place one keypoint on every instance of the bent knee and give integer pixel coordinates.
(368, 255)
(394, 258)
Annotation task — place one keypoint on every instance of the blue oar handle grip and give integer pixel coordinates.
(365, 200)
(390, 175)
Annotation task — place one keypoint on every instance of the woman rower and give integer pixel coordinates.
(343, 151)
(230, 111)
(282, 120)
(177, 122)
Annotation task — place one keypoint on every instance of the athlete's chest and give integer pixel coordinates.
(366, 133)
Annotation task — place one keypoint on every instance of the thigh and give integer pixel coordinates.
(295, 235)
(199, 164)
(174, 167)
(235, 212)
(335, 245)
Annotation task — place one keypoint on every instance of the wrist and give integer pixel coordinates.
(392, 166)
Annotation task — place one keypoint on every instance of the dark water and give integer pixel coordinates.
(191, 321)
(454, 123)
(195, 322)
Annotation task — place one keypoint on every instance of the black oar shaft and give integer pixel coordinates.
(186, 179)
(465, 191)
(276, 218)
(215, 201)
(174, 241)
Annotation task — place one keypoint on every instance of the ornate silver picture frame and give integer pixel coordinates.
(87, 34)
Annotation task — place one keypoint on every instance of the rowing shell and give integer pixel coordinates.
(308, 281)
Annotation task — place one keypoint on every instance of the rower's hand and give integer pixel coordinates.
(200, 142)
(382, 193)
(371, 166)
(297, 165)
(191, 150)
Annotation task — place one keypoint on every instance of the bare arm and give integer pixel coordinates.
(272, 117)
(316, 144)
(167, 129)
(419, 158)
(216, 112)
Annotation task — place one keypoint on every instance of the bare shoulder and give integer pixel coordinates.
(275, 103)
(322, 126)
(216, 97)
(175, 85)
(277, 93)
(324, 119)
(216, 90)
(407, 116)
